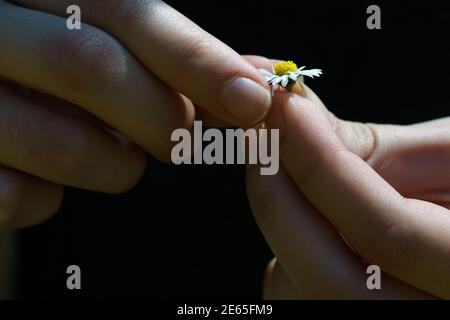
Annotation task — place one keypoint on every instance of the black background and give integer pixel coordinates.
(187, 232)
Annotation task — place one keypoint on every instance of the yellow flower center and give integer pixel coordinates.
(283, 68)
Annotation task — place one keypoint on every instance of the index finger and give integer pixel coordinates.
(180, 53)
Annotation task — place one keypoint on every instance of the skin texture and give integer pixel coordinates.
(87, 105)
(385, 189)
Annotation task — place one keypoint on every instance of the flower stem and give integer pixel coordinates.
(296, 87)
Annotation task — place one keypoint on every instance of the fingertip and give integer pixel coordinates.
(26, 200)
(246, 100)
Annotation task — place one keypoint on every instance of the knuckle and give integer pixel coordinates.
(359, 138)
(195, 50)
(89, 62)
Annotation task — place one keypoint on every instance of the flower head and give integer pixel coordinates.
(282, 68)
(287, 73)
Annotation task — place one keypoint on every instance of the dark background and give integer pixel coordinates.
(187, 232)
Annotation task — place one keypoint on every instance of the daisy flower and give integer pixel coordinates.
(286, 74)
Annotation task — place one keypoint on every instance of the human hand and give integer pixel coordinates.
(138, 67)
(384, 188)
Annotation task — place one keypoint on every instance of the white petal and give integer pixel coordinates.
(298, 72)
(311, 73)
(272, 79)
(293, 76)
(266, 74)
(284, 81)
(276, 81)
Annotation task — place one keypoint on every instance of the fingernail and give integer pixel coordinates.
(246, 100)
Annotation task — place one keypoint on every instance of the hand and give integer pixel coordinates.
(135, 67)
(385, 189)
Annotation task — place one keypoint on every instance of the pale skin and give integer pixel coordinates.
(102, 97)
(385, 188)
(139, 67)
(122, 74)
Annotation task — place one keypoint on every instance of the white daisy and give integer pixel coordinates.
(287, 74)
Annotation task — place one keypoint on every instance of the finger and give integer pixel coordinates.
(91, 69)
(62, 106)
(209, 119)
(213, 121)
(406, 237)
(63, 149)
(313, 255)
(26, 200)
(277, 285)
(180, 53)
(414, 159)
(260, 62)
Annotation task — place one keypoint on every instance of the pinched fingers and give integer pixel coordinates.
(26, 200)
